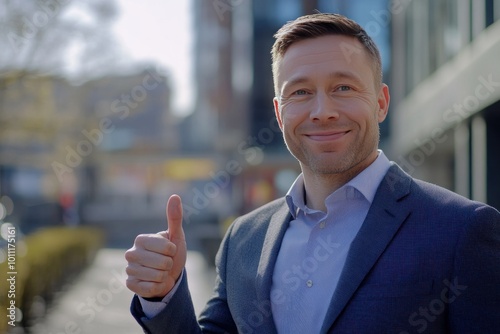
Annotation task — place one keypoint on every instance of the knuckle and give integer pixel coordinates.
(130, 255)
(161, 276)
(168, 263)
(171, 248)
(131, 284)
(164, 263)
(129, 270)
(141, 239)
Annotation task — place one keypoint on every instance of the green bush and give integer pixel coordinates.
(45, 261)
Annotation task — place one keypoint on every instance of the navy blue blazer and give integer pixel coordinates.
(425, 260)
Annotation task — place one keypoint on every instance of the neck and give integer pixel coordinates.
(318, 186)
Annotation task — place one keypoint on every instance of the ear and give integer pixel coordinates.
(276, 104)
(383, 102)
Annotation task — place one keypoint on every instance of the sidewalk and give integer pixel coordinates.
(98, 301)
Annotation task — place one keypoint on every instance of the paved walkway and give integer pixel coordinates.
(98, 301)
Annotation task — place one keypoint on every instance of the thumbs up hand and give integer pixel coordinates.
(156, 261)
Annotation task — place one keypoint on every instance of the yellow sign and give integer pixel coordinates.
(189, 169)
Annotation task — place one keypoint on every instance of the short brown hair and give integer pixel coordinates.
(317, 25)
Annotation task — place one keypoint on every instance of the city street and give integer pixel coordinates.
(97, 302)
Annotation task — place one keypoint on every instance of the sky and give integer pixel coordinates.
(160, 31)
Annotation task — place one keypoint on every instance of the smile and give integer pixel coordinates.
(327, 136)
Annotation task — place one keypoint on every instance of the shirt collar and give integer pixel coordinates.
(366, 183)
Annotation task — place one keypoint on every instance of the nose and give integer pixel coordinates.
(324, 108)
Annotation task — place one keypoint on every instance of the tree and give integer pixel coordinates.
(43, 43)
(39, 36)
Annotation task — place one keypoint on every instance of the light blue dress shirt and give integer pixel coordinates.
(314, 249)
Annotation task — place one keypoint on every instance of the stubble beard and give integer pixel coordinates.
(329, 164)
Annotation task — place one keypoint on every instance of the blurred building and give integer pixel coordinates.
(134, 135)
(234, 112)
(65, 147)
(139, 105)
(446, 94)
(38, 118)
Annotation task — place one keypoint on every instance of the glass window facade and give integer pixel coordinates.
(435, 31)
(432, 82)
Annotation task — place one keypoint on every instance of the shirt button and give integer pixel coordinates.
(309, 283)
(322, 224)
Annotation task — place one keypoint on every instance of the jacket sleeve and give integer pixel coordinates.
(217, 317)
(177, 317)
(474, 291)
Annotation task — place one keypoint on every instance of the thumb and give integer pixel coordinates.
(174, 218)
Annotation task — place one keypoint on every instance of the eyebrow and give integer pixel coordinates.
(293, 82)
(345, 75)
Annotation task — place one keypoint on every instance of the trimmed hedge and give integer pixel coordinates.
(45, 261)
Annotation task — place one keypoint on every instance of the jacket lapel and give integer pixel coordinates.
(381, 224)
(272, 243)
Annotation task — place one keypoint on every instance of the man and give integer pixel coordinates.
(357, 245)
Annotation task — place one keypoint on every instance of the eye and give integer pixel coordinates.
(300, 92)
(343, 88)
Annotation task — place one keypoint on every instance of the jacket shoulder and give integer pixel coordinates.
(433, 194)
(260, 217)
(426, 194)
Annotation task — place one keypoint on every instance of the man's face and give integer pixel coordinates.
(330, 107)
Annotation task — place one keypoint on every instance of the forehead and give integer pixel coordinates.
(335, 51)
